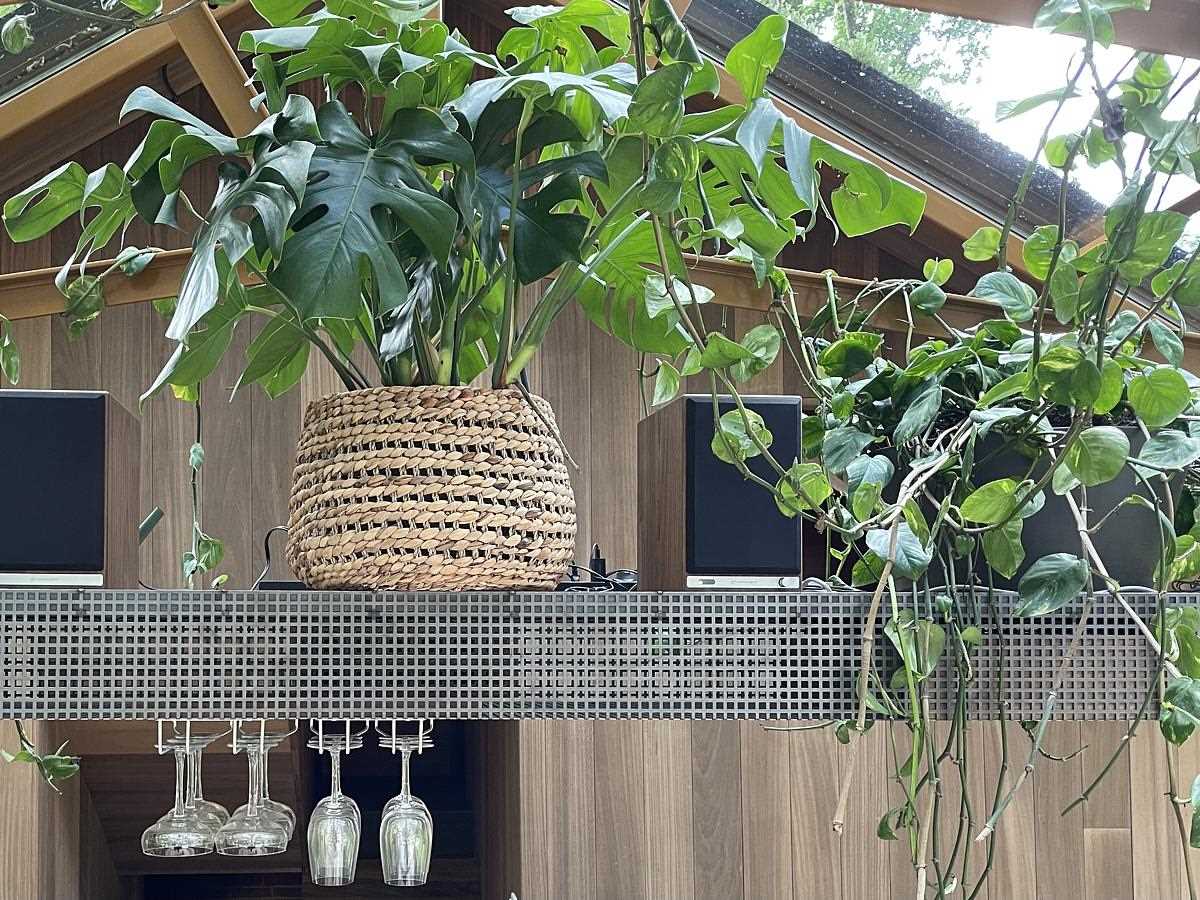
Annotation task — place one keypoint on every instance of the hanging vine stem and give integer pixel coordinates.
(130, 24)
(868, 645)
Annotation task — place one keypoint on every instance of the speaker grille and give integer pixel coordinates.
(147, 655)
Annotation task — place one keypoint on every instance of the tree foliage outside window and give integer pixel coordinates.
(919, 50)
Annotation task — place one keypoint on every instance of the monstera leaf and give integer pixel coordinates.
(272, 190)
(354, 185)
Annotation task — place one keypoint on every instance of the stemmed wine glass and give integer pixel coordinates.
(335, 824)
(252, 830)
(264, 742)
(406, 830)
(190, 827)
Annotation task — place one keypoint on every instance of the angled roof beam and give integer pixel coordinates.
(219, 68)
(1169, 27)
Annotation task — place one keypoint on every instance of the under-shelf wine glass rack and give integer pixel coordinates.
(333, 655)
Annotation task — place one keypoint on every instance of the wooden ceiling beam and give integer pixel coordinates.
(1169, 27)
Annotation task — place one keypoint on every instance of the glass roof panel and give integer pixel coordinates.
(59, 39)
(921, 89)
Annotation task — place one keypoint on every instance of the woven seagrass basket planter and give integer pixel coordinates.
(430, 488)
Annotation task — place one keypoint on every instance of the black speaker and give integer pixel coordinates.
(700, 523)
(71, 496)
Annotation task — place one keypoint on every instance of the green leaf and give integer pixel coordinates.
(1169, 449)
(983, 245)
(1039, 251)
(10, 355)
(1003, 389)
(762, 342)
(84, 302)
(657, 105)
(920, 642)
(1112, 386)
(928, 297)
(804, 487)
(868, 199)
(658, 301)
(990, 503)
(850, 354)
(15, 34)
(938, 270)
(1167, 342)
(1098, 454)
(670, 34)
(922, 408)
(841, 446)
(666, 384)
(741, 441)
(46, 203)
(143, 8)
(1180, 710)
(1157, 234)
(869, 470)
(1007, 109)
(1002, 547)
(273, 357)
(354, 182)
(867, 570)
(1051, 583)
(912, 558)
(756, 55)
(1016, 297)
(1159, 396)
(720, 351)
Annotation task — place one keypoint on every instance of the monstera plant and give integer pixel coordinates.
(388, 226)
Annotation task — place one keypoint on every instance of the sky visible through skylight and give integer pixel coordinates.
(1010, 63)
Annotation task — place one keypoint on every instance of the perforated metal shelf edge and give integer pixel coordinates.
(202, 655)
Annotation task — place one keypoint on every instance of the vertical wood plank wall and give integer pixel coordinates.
(617, 810)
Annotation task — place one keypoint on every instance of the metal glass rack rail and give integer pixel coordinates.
(207, 655)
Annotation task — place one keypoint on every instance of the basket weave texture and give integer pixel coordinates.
(430, 488)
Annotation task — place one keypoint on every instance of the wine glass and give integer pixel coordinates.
(186, 830)
(197, 744)
(252, 830)
(335, 824)
(266, 741)
(406, 830)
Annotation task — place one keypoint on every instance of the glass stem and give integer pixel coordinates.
(335, 760)
(266, 787)
(180, 781)
(255, 781)
(405, 789)
(195, 792)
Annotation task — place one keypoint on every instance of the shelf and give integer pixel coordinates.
(209, 655)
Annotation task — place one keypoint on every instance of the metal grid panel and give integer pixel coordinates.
(146, 655)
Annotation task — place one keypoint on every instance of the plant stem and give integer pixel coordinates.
(509, 315)
(868, 647)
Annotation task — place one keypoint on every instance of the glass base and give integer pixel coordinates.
(176, 852)
(405, 881)
(250, 851)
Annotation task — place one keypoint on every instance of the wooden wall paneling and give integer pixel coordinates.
(1107, 842)
(20, 789)
(1055, 785)
(866, 864)
(558, 809)
(767, 811)
(621, 852)
(816, 850)
(615, 408)
(500, 791)
(32, 337)
(565, 368)
(1188, 770)
(1157, 862)
(982, 792)
(98, 879)
(717, 810)
(58, 826)
(1014, 874)
(667, 749)
(541, 852)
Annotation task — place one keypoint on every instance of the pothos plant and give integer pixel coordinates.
(1079, 369)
